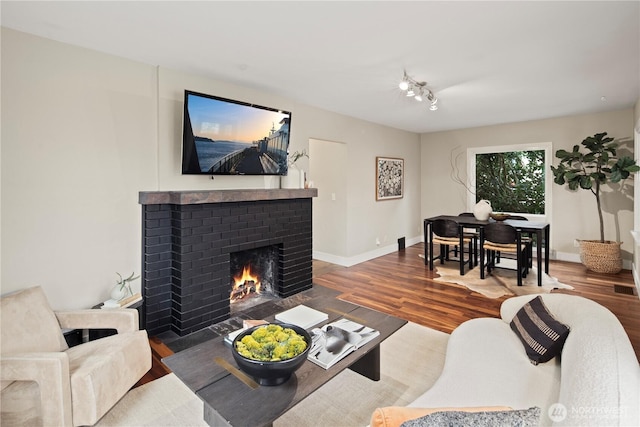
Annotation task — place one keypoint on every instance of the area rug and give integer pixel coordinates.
(411, 360)
(500, 282)
(166, 401)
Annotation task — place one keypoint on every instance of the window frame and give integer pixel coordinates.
(548, 175)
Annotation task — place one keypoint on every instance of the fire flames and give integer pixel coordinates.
(245, 284)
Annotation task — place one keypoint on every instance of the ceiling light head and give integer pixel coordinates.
(418, 90)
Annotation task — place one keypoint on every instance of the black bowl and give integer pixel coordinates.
(271, 373)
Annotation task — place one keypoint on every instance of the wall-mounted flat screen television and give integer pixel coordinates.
(226, 137)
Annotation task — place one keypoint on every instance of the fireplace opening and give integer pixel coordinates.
(254, 276)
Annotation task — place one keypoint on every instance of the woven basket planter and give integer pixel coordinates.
(601, 257)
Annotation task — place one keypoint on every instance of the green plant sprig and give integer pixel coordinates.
(126, 283)
(297, 155)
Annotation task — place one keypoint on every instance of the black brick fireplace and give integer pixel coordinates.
(187, 239)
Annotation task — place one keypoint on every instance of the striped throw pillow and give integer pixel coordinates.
(541, 334)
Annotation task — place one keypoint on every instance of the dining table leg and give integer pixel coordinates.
(539, 255)
(481, 252)
(425, 225)
(461, 245)
(546, 248)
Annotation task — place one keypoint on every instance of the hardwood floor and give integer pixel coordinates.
(400, 284)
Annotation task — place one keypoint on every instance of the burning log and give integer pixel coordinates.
(244, 288)
(244, 285)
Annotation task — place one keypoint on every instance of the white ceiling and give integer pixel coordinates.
(487, 62)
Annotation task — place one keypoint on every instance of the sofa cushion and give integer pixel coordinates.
(485, 366)
(522, 417)
(541, 334)
(394, 416)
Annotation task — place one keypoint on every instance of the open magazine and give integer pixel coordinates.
(336, 340)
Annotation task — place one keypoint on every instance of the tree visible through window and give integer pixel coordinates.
(513, 181)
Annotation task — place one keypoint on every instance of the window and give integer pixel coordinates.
(515, 179)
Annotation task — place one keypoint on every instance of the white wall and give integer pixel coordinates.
(574, 214)
(367, 219)
(84, 132)
(330, 207)
(78, 142)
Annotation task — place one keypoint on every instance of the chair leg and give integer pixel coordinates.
(476, 248)
(519, 265)
(490, 260)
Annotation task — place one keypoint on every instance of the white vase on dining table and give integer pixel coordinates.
(482, 209)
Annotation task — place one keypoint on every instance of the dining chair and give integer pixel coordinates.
(524, 237)
(446, 233)
(500, 237)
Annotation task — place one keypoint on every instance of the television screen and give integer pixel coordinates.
(226, 137)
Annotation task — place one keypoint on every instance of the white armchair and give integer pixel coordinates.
(44, 382)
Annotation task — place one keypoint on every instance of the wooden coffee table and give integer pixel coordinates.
(230, 398)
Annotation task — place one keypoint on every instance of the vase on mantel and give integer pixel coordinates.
(482, 209)
(293, 178)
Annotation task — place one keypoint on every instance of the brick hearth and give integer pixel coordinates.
(187, 238)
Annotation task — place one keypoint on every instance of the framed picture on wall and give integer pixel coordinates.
(389, 178)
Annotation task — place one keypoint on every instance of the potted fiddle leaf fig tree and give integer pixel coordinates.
(591, 167)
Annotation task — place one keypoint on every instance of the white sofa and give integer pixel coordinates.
(597, 380)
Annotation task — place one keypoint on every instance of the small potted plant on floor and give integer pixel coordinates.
(590, 169)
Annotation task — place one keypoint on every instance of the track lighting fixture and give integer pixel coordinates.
(418, 91)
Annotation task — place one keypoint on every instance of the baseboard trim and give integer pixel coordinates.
(571, 257)
(357, 259)
(350, 261)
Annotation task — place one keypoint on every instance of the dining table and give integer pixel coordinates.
(523, 227)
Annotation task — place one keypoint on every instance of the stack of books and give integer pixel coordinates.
(303, 316)
(124, 302)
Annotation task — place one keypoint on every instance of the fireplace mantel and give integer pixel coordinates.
(222, 196)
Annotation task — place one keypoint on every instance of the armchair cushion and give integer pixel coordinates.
(102, 371)
(29, 324)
